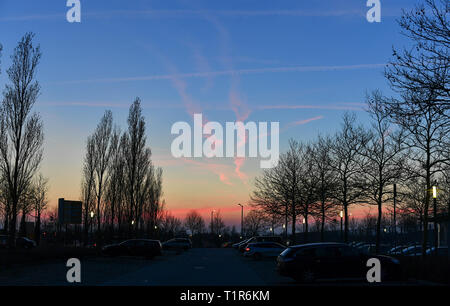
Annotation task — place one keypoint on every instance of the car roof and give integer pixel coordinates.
(318, 244)
(152, 240)
(264, 242)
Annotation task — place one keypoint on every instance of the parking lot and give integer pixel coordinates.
(194, 267)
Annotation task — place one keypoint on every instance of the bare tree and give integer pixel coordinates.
(114, 188)
(217, 224)
(102, 153)
(326, 181)
(195, 223)
(88, 184)
(21, 136)
(346, 150)
(291, 171)
(421, 76)
(170, 224)
(424, 67)
(308, 182)
(383, 160)
(414, 195)
(134, 153)
(427, 126)
(270, 194)
(255, 221)
(40, 201)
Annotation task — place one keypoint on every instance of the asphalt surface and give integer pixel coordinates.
(195, 267)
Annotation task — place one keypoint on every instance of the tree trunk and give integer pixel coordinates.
(346, 223)
(37, 228)
(322, 225)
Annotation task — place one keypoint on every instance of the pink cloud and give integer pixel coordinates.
(305, 121)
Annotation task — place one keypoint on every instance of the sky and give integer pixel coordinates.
(300, 63)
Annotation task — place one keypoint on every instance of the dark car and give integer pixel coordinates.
(371, 249)
(257, 250)
(310, 262)
(25, 243)
(177, 244)
(276, 239)
(135, 247)
(237, 244)
(21, 242)
(441, 251)
(3, 241)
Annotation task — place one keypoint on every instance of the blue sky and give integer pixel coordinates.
(302, 63)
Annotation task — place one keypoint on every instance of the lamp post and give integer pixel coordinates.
(395, 215)
(436, 240)
(242, 219)
(92, 219)
(341, 214)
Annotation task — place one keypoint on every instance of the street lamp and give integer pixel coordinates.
(341, 214)
(242, 219)
(92, 218)
(395, 215)
(436, 238)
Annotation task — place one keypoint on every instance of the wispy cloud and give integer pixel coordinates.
(233, 72)
(335, 106)
(305, 121)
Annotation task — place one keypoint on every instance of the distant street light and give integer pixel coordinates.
(92, 218)
(341, 214)
(132, 222)
(435, 232)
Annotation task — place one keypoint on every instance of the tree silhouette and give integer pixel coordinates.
(21, 136)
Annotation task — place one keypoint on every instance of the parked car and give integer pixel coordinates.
(227, 244)
(135, 247)
(25, 243)
(257, 250)
(415, 250)
(441, 251)
(3, 241)
(276, 239)
(398, 249)
(177, 244)
(309, 262)
(371, 249)
(237, 244)
(21, 242)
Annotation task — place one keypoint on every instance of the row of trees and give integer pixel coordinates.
(121, 188)
(23, 191)
(407, 143)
